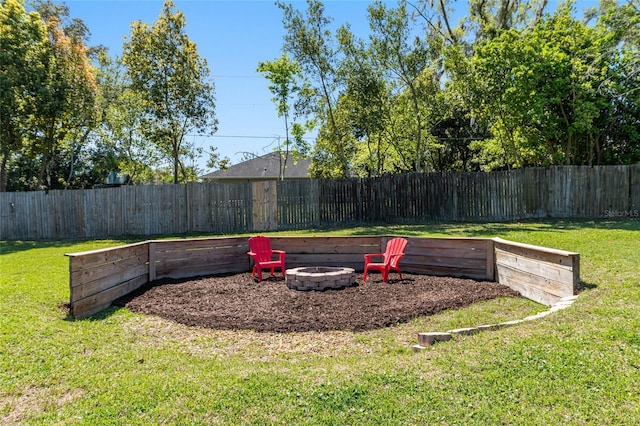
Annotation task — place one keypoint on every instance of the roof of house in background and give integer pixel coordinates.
(265, 167)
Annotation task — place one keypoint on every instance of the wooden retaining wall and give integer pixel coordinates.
(542, 274)
(99, 277)
(197, 257)
(453, 257)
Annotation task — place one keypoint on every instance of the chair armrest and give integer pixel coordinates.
(367, 257)
(281, 254)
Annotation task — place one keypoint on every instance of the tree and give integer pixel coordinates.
(284, 75)
(619, 140)
(308, 39)
(489, 18)
(407, 60)
(365, 105)
(64, 110)
(507, 86)
(119, 143)
(166, 71)
(548, 92)
(23, 39)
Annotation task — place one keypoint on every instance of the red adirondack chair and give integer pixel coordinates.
(390, 259)
(263, 256)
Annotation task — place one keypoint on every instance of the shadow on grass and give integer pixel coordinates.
(480, 229)
(363, 229)
(9, 247)
(104, 314)
(584, 286)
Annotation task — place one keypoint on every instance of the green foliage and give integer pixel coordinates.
(65, 110)
(577, 366)
(510, 85)
(308, 39)
(408, 61)
(48, 97)
(118, 142)
(548, 92)
(284, 75)
(166, 71)
(22, 48)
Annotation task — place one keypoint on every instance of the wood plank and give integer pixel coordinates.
(490, 260)
(556, 288)
(446, 242)
(444, 271)
(452, 252)
(104, 270)
(200, 243)
(326, 244)
(211, 262)
(102, 254)
(204, 270)
(152, 260)
(542, 269)
(97, 302)
(544, 254)
(101, 284)
(531, 292)
(97, 260)
(473, 263)
(220, 248)
(326, 259)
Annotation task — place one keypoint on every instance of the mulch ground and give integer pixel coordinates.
(238, 302)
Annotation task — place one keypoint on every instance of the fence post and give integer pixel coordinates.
(152, 260)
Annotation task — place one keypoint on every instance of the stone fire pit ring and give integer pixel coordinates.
(320, 278)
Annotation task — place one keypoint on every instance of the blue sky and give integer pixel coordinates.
(233, 36)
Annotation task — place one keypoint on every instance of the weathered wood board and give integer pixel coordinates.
(456, 257)
(538, 273)
(98, 277)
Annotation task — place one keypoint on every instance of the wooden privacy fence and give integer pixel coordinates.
(532, 193)
(231, 208)
(99, 277)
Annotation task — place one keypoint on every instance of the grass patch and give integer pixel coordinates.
(576, 366)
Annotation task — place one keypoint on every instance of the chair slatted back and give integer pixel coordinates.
(395, 251)
(261, 246)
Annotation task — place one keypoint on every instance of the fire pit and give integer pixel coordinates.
(320, 278)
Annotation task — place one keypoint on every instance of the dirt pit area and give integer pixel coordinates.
(238, 302)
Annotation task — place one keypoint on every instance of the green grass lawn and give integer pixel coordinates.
(577, 366)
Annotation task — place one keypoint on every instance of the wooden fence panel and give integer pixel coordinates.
(555, 192)
(634, 190)
(298, 204)
(265, 205)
